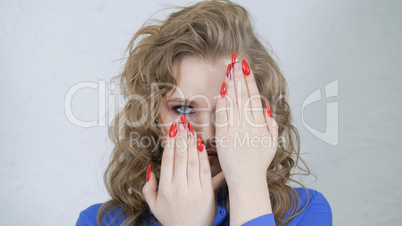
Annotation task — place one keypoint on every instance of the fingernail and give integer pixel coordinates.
(268, 108)
(149, 172)
(190, 128)
(246, 69)
(183, 120)
(223, 90)
(173, 129)
(234, 58)
(199, 144)
(228, 75)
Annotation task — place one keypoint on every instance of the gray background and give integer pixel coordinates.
(52, 169)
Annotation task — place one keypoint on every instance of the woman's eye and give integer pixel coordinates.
(183, 109)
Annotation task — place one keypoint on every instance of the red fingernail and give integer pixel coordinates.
(173, 129)
(190, 127)
(268, 108)
(149, 172)
(234, 58)
(228, 70)
(199, 144)
(223, 90)
(246, 69)
(183, 120)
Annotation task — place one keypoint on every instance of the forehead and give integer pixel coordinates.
(199, 78)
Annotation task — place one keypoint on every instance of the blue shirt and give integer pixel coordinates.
(317, 212)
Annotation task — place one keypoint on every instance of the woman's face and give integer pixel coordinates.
(195, 97)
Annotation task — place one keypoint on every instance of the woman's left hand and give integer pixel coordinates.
(247, 134)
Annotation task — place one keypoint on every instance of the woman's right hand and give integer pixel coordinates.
(185, 195)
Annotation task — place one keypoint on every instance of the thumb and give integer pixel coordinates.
(149, 189)
(218, 181)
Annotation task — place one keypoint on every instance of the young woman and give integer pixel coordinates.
(206, 136)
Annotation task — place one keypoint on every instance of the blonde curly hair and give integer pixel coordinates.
(208, 29)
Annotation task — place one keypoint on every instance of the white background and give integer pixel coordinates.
(50, 169)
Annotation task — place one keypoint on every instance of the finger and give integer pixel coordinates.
(205, 168)
(254, 94)
(241, 77)
(149, 189)
(193, 165)
(167, 162)
(231, 96)
(180, 155)
(221, 113)
(241, 91)
(218, 181)
(271, 122)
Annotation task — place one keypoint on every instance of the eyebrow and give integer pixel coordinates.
(179, 100)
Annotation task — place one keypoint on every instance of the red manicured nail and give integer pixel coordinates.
(223, 90)
(173, 129)
(190, 127)
(149, 172)
(183, 120)
(268, 108)
(234, 58)
(199, 144)
(246, 69)
(228, 70)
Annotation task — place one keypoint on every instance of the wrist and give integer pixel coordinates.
(249, 201)
(249, 189)
(258, 182)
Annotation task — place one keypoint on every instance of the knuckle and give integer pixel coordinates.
(193, 163)
(181, 140)
(205, 171)
(180, 156)
(220, 103)
(221, 117)
(203, 157)
(164, 193)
